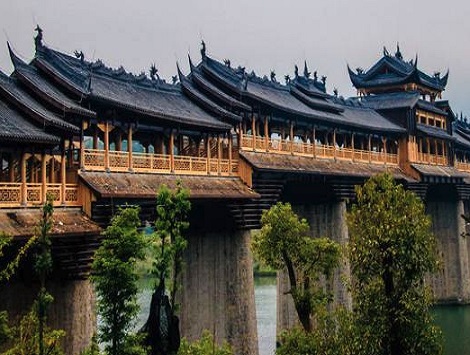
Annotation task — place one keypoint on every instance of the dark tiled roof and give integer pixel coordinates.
(398, 72)
(433, 131)
(23, 101)
(29, 76)
(391, 100)
(440, 171)
(306, 165)
(148, 97)
(461, 139)
(429, 106)
(128, 185)
(15, 128)
(67, 221)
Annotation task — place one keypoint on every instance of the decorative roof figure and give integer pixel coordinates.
(174, 79)
(335, 92)
(203, 49)
(323, 79)
(306, 72)
(398, 53)
(38, 38)
(154, 72)
(273, 76)
(296, 71)
(227, 62)
(79, 55)
(315, 75)
(287, 78)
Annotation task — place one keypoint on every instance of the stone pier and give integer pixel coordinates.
(326, 220)
(218, 289)
(451, 283)
(71, 311)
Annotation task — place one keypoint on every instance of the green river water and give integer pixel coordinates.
(454, 320)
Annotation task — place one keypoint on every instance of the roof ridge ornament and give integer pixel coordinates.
(79, 55)
(38, 38)
(273, 76)
(296, 71)
(306, 72)
(398, 53)
(203, 49)
(386, 53)
(154, 72)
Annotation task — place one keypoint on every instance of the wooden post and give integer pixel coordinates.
(219, 154)
(63, 176)
(230, 137)
(118, 140)
(384, 142)
(24, 193)
(352, 145)
(428, 147)
(253, 130)
(239, 136)
(172, 153)
(266, 134)
(334, 143)
(52, 171)
(291, 137)
(314, 133)
(43, 177)
(106, 146)
(129, 149)
(208, 154)
(370, 148)
(11, 166)
(82, 147)
(95, 138)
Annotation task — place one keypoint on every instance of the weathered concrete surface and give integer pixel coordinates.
(72, 309)
(326, 220)
(218, 290)
(451, 283)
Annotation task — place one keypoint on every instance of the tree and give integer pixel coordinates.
(115, 279)
(204, 346)
(283, 243)
(162, 326)
(391, 251)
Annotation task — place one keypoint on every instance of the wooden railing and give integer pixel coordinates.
(432, 159)
(13, 194)
(95, 160)
(249, 142)
(463, 166)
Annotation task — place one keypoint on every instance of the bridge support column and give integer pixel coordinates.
(218, 290)
(72, 309)
(326, 220)
(451, 284)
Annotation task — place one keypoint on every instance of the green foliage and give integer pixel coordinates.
(169, 243)
(391, 251)
(204, 346)
(5, 331)
(27, 339)
(334, 334)
(283, 243)
(115, 279)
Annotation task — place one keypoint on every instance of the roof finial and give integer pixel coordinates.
(323, 79)
(306, 72)
(335, 92)
(287, 79)
(174, 79)
(79, 55)
(398, 53)
(315, 75)
(296, 71)
(203, 49)
(416, 60)
(273, 76)
(38, 38)
(153, 72)
(386, 53)
(227, 62)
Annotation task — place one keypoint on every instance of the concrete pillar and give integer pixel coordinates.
(217, 291)
(451, 284)
(72, 309)
(326, 220)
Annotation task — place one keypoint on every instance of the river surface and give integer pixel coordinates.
(453, 320)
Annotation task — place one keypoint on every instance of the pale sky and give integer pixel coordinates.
(261, 35)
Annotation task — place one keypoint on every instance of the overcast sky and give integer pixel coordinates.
(261, 35)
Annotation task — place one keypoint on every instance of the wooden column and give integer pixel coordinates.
(95, 138)
(172, 153)
(253, 130)
(106, 146)
(384, 142)
(369, 147)
(208, 153)
(266, 133)
(352, 145)
(82, 146)
(334, 143)
(43, 177)
(219, 154)
(129, 149)
(291, 137)
(230, 137)
(314, 141)
(52, 171)
(63, 176)
(11, 165)
(239, 135)
(24, 192)
(118, 141)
